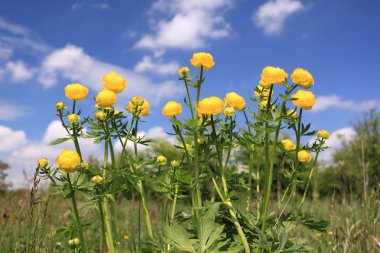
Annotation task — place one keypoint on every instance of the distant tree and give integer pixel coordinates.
(356, 165)
(3, 184)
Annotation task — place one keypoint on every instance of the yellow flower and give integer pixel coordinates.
(60, 106)
(292, 113)
(324, 134)
(68, 161)
(260, 90)
(264, 104)
(273, 75)
(42, 163)
(100, 115)
(302, 78)
(211, 105)
(106, 98)
(235, 100)
(75, 242)
(202, 59)
(229, 111)
(330, 233)
(161, 160)
(288, 145)
(304, 99)
(318, 234)
(115, 82)
(171, 109)
(174, 163)
(304, 156)
(84, 165)
(76, 91)
(183, 71)
(71, 242)
(264, 84)
(97, 179)
(137, 101)
(142, 109)
(126, 237)
(73, 118)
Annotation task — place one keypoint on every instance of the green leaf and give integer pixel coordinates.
(178, 237)
(59, 141)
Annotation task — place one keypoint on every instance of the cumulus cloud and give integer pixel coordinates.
(271, 16)
(335, 142)
(73, 64)
(185, 24)
(333, 101)
(10, 139)
(147, 64)
(19, 71)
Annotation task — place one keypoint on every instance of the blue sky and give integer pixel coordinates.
(45, 45)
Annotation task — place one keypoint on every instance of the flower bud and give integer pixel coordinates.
(229, 111)
(183, 71)
(100, 115)
(288, 145)
(97, 179)
(175, 163)
(42, 163)
(84, 165)
(126, 237)
(162, 160)
(60, 106)
(324, 134)
(304, 156)
(137, 101)
(73, 118)
(76, 241)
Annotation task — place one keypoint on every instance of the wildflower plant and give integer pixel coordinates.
(208, 203)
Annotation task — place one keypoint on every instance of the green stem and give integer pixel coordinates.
(76, 214)
(174, 203)
(309, 178)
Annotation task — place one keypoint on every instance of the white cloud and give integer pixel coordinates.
(73, 64)
(82, 5)
(19, 71)
(9, 111)
(271, 15)
(186, 24)
(162, 68)
(335, 142)
(11, 140)
(333, 101)
(17, 36)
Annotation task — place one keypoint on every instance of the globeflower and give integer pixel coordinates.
(304, 99)
(202, 59)
(235, 100)
(142, 109)
(229, 111)
(175, 163)
(161, 160)
(183, 71)
(76, 91)
(288, 145)
(273, 75)
(97, 179)
(68, 161)
(115, 82)
(172, 109)
(302, 78)
(106, 98)
(84, 165)
(42, 163)
(324, 134)
(304, 156)
(60, 106)
(264, 84)
(212, 105)
(73, 118)
(100, 115)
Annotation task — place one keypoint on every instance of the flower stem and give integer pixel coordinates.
(76, 214)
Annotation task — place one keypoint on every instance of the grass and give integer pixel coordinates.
(42, 225)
